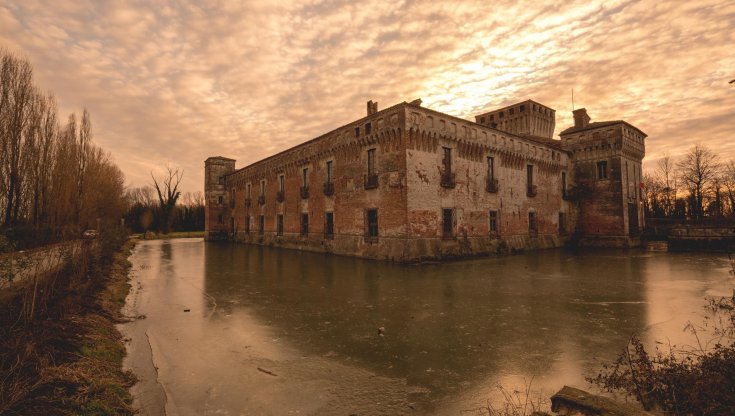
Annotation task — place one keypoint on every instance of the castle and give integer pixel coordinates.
(408, 183)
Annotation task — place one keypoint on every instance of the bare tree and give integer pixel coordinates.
(665, 170)
(168, 194)
(697, 171)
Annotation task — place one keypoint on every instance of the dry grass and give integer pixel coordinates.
(69, 360)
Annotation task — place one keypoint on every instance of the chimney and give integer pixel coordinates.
(581, 119)
(372, 107)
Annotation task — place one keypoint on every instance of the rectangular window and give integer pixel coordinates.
(482, 120)
(563, 184)
(522, 108)
(262, 188)
(491, 168)
(304, 224)
(371, 162)
(281, 183)
(329, 172)
(247, 224)
(261, 225)
(220, 220)
(447, 160)
(492, 118)
(357, 132)
(279, 224)
(532, 226)
(501, 114)
(493, 216)
(529, 175)
(368, 128)
(562, 223)
(329, 224)
(602, 169)
(371, 223)
(305, 178)
(247, 191)
(447, 222)
(220, 199)
(511, 111)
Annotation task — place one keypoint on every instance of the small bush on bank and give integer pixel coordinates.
(680, 382)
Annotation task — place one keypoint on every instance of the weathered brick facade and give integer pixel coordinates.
(408, 183)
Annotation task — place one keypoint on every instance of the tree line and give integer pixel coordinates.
(698, 185)
(163, 208)
(54, 181)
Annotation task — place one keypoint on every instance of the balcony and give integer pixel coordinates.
(328, 188)
(492, 186)
(304, 192)
(280, 196)
(261, 199)
(448, 180)
(532, 191)
(371, 181)
(247, 202)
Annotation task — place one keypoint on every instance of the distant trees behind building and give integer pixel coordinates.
(54, 182)
(146, 213)
(698, 185)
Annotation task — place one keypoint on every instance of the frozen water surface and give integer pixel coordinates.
(243, 330)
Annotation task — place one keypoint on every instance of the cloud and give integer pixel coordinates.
(178, 81)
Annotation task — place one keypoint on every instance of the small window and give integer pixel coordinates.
(532, 224)
(564, 184)
(329, 171)
(247, 224)
(371, 223)
(562, 223)
(221, 199)
(447, 222)
(482, 120)
(247, 192)
(281, 183)
(261, 225)
(262, 188)
(490, 168)
(368, 128)
(447, 160)
(304, 224)
(501, 114)
(220, 220)
(305, 178)
(357, 132)
(602, 169)
(279, 224)
(329, 224)
(511, 111)
(522, 109)
(492, 118)
(529, 176)
(493, 216)
(371, 162)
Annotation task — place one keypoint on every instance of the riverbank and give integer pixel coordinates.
(67, 360)
(177, 234)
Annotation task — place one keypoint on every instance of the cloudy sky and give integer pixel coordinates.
(177, 81)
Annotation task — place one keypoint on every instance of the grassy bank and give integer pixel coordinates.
(67, 360)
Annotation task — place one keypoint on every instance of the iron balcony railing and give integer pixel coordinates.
(448, 180)
(328, 188)
(492, 185)
(371, 181)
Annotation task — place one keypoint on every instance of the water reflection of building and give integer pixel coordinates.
(408, 183)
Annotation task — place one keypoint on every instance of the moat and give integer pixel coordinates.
(239, 329)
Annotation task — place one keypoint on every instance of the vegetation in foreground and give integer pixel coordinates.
(682, 381)
(66, 358)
